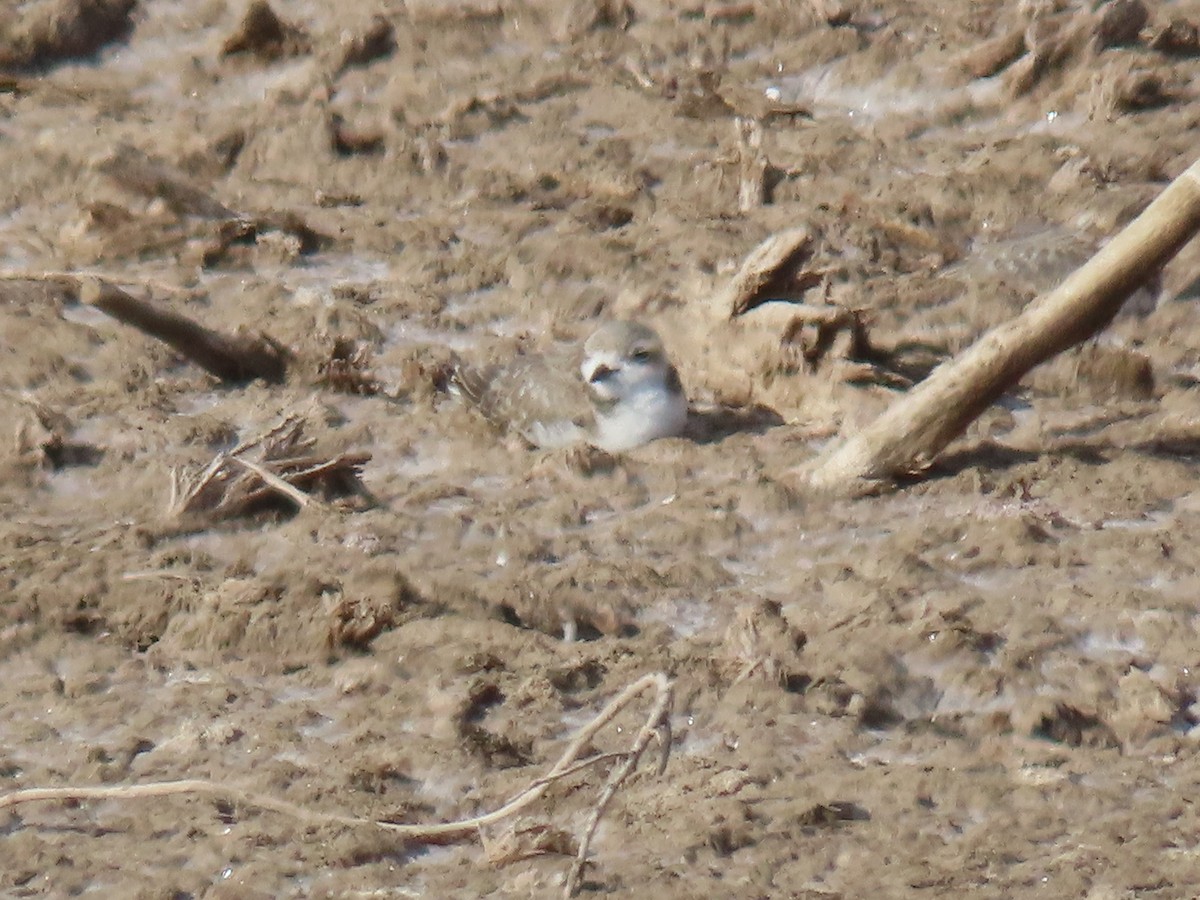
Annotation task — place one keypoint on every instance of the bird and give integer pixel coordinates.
(624, 392)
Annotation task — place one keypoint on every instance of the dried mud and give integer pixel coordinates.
(983, 683)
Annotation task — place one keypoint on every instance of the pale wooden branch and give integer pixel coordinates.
(907, 437)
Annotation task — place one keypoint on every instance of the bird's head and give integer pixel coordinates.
(624, 359)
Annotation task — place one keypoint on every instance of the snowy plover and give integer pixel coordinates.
(625, 393)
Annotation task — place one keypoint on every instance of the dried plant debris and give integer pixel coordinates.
(574, 599)
(583, 16)
(655, 729)
(376, 42)
(366, 606)
(43, 439)
(348, 369)
(527, 839)
(829, 815)
(757, 176)
(1050, 38)
(835, 13)
(284, 225)
(138, 173)
(1064, 723)
(278, 467)
(1119, 22)
(219, 229)
(995, 54)
(495, 748)
(33, 291)
(820, 336)
(700, 91)
(265, 36)
(817, 336)
(232, 357)
(37, 35)
(711, 423)
(761, 643)
(1102, 372)
(1122, 88)
(353, 140)
(1179, 37)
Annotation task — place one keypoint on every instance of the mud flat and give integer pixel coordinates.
(983, 683)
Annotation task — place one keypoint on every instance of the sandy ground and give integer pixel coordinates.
(982, 684)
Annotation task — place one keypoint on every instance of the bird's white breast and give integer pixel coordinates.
(651, 412)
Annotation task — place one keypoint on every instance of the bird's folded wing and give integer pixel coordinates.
(544, 402)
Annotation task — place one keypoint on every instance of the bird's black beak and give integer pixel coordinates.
(601, 373)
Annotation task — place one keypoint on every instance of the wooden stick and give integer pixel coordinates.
(907, 437)
(230, 357)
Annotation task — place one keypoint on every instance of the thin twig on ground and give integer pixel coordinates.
(273, 481)
(657, 723)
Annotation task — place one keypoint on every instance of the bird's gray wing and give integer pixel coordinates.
(543, 401)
